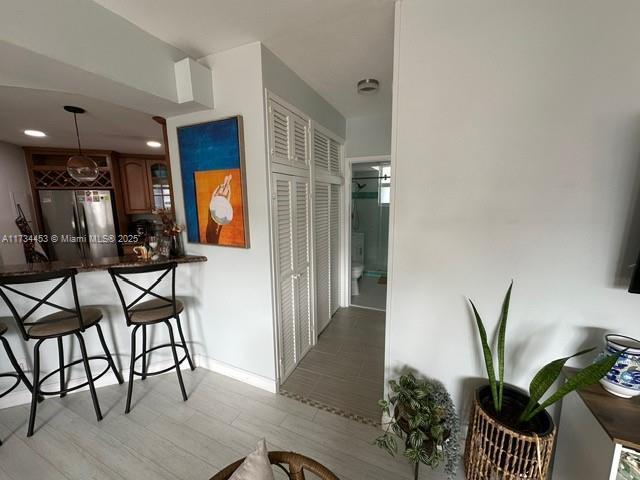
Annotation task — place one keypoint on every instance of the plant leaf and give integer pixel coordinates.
(502, 328)
(546, 377)
(583, 378)
(488, 356)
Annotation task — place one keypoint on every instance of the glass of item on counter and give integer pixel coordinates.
(164, 246)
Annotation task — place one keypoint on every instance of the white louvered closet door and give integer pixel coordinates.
(288, 136)
(323, 258)
(284, 217)
(292, 217)
(302, 266)
(334, 158)
(279, 133)
(334, 248)
(299, 141)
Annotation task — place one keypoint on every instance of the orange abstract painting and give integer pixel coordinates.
(220, 207)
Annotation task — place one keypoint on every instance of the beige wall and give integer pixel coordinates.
(233, 313)
(368, 136)
(516, 155)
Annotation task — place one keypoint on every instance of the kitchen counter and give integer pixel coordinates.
(92, 265)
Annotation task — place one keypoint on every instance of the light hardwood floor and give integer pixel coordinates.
(345, 370)
(165, 438)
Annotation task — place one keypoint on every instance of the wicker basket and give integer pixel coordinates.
(495, 451)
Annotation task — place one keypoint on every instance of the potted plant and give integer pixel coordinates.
(511, 435)
(421, 413)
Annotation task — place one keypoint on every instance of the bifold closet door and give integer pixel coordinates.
(334, 247)
(323, 258)
(291, 210)
(302, 276)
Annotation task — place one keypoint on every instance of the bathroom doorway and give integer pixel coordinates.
(370, 197)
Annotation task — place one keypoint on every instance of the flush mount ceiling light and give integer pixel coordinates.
(154, 144)
(35, 133)
(368, 85)
(80, 167)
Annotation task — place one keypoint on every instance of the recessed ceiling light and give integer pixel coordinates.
(35, 133)
(154, 144)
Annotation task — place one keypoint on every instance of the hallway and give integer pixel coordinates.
(345, 370)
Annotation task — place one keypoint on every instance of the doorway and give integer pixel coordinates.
(344, 371)
(370, 197)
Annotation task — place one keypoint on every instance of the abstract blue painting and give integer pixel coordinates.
(213, 182)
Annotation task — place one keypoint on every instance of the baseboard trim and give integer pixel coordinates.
(22, 396)
(236, 373)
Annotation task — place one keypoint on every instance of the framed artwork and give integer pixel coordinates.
(213, 182)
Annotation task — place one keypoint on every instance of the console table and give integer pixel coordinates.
(598, 437)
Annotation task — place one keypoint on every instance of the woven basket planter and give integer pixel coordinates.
(496, 451)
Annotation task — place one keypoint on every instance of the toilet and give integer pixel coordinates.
(357, 261)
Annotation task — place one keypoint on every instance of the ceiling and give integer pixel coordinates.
(104, 126)
(331, 44)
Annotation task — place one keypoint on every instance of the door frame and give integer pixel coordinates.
(346, 225)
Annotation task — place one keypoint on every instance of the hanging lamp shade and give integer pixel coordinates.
(80, 167)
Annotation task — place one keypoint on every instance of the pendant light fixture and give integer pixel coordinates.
(81, 168)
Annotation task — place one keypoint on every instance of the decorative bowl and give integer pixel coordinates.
(623, 379)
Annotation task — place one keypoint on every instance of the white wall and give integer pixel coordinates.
(14, 178)
(235, 305)
(516, 155)
(368, 136)
(285, 83)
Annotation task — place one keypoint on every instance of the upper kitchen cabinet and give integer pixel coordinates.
(146, 183)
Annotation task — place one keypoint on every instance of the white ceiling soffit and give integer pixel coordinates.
(104, 126)
(331, 44)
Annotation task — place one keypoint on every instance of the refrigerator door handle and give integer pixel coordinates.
(76, 230)
(85, 231)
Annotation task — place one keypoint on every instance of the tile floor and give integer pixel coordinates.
(165, 438)
(345, 370)
(372, 294)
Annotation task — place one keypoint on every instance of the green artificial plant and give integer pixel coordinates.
(421, 412)
(546, 376)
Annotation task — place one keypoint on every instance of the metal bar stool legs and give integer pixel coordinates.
(132, 367)
(65, 321)
(144, 373)
(175, 359)
(36, 383)
(19, 373)
(186, 348)
(139, 312)
(61, 365)
(16, 366)
(144, 352)
(107, 352)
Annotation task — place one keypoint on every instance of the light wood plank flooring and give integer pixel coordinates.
(165, 438)
(345, 370)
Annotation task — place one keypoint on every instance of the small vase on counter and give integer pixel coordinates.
(177, 248)
(623, 379)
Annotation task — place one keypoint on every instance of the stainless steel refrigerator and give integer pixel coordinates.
(81, 222)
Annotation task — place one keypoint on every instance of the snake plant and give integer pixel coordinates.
(546, 376)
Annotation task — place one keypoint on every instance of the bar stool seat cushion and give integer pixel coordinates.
(3, 328)
(153, 311)
(62, 323)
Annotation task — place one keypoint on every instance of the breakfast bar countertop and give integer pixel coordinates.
(95, 264)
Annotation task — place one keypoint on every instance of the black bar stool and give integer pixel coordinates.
(64, 322)
(160, 309)
(18, 374)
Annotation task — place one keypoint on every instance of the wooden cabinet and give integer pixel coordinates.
(146, 183)
(598, 437)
